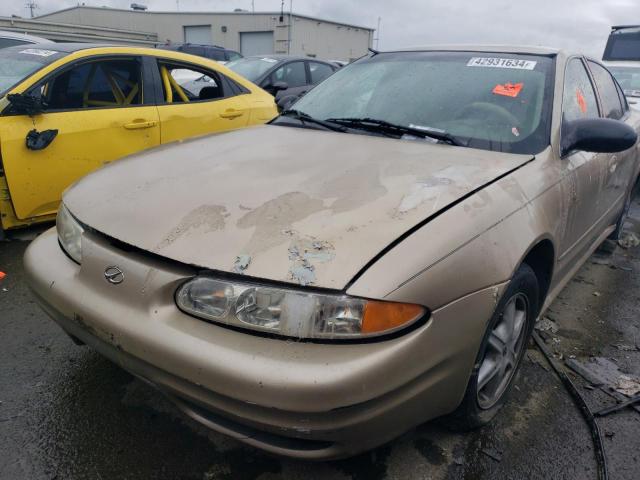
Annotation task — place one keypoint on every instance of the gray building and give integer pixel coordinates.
(246, 32)
(62, 32)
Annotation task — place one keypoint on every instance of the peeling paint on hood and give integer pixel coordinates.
(305, 206)
(304, 254)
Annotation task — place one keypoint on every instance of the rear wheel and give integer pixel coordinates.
(500, 353)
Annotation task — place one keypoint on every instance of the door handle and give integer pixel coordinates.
(136, 124)
(231, 113)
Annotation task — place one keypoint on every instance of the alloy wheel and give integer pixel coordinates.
(501, 356)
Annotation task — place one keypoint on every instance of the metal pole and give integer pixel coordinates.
(378, 34)
(253, 7)
(32, 6)
(290, 27)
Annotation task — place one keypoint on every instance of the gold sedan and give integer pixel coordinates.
(373, 258)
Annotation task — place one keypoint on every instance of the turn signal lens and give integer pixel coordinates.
(387, 316)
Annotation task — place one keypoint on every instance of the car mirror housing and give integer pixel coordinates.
(25, 104)
(276, 87)
(285, 102)
(598, 135)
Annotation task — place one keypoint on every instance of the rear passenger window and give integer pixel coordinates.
(578, 98)
(319, 71)
(183, 84)
(611, 106)
(623, 99)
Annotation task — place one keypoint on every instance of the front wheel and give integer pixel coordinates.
(500, 353)
(617, 233)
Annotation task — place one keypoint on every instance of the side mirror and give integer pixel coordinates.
(599, 135)
(286, 101)
(25, 104)
(276, 87)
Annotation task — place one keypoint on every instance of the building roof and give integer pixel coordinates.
(164, 12)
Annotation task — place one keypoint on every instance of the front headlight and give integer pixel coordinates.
(69, 234)
(293, 313)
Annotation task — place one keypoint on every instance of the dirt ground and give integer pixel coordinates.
(67, 413)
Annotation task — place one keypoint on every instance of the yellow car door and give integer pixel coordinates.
(198, 100)
(95, 110)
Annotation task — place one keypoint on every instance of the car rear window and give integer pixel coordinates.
(252, 68)
(608, 91)
(628, 78)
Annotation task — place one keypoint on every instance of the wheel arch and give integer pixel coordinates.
(541, 257)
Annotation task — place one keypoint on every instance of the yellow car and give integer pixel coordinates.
(67, 109)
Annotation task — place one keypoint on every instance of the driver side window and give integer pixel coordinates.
(578, 98)
(104, 83)
(293, 74)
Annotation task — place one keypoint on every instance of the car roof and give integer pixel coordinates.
(621, 63)
(283, 57)
(73, 47)
(202, 45)
(535, 50)
(69, 48)
(23, 36)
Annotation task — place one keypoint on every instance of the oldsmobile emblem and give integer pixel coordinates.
(114, 275)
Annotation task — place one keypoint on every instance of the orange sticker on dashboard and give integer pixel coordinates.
(582, 103)
(508, 89)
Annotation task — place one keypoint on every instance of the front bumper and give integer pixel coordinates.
(305, 400)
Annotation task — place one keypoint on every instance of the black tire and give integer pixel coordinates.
(471, 414)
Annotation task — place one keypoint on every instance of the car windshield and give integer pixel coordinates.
(17, 63)
(252, 68)
(492, 101)
(628, 78)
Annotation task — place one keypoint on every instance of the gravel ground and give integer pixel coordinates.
(67, 413)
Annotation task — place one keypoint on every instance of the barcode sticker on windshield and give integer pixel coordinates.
(501, 63)
(39, 52)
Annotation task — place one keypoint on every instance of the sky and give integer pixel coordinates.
(577, 25)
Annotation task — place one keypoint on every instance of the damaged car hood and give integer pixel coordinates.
(287, 204)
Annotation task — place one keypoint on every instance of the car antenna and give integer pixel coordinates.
(375, 52)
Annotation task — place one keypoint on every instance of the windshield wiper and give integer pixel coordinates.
(374, 124)
(306, 118)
